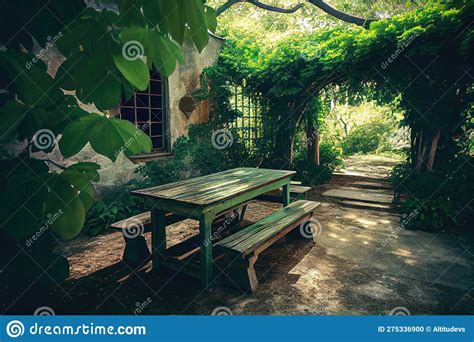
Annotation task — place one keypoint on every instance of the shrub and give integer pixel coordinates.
(311, 174)
(441, 197)
(193, 156)
(329, 155)
(367, 138)
(114, 205)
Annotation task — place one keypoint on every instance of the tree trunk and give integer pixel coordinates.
(316, 147)
(432, 153)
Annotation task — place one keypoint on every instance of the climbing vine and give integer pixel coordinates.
(421, 57)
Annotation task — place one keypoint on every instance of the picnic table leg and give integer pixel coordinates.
(158, 236)
(205, 228)
(286, 195)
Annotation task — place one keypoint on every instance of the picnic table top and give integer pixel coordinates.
(216, 187)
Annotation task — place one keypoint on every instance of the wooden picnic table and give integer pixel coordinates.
(203, 199)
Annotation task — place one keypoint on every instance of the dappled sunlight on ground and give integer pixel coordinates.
(358, 264)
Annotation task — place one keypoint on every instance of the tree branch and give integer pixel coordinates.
(318, 3)
(341, 15)
(270, 8)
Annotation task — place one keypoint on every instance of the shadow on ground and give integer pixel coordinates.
(360, 263)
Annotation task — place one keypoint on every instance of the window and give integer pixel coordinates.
(147, 110)
(249, 125)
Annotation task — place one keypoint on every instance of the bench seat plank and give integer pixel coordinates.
(250, 238)
(296, 192)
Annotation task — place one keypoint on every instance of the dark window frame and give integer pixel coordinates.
(140, 123)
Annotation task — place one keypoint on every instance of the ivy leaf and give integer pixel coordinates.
(135, 71)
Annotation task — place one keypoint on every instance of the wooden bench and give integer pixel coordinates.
(136, 250)
(243, 248)
(297, 192)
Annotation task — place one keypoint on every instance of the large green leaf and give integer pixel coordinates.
(105, 92)
(110, 137)
(87, 168)
(171, 19)
(82, 184)
(23, 206)
(35, 120)
(135, 71)
(32, 84)
(64, 208)
(196, 19)
(211, 18)
(164, 53)
(11, 117)
(76, 135)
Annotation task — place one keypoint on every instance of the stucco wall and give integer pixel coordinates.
(184, 81)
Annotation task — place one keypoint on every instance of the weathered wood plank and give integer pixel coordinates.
(251, 237)
(216, 187)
